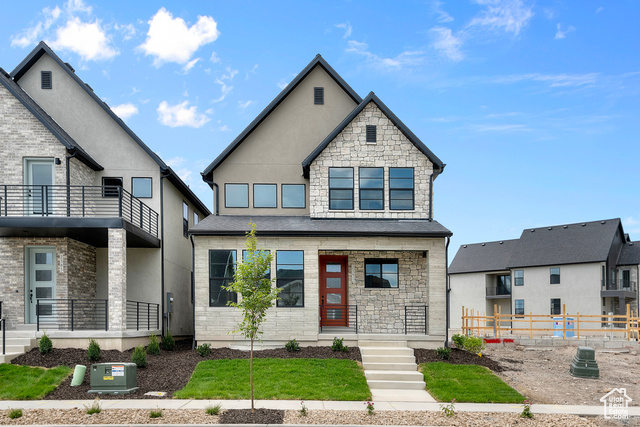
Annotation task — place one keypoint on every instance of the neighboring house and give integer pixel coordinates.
(341, 193)
(93, 224)
(590, 267)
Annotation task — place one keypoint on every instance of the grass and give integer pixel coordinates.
(26, 383)
(467, 383)
(290, 379)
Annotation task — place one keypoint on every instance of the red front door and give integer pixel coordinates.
(333, 291)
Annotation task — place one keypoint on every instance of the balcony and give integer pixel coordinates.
(620, 289)
(74, 211)
(497, 292)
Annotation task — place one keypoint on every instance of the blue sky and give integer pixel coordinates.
(533, 106)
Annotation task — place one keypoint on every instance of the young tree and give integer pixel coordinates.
(256, 292)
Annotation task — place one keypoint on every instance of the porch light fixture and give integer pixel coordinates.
(57, 161)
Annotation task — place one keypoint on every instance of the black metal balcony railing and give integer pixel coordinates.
(416, 319)
(143, 315)
(72, 314)
(493, 291)
(77, 201)
(345, 316)
(621, 285)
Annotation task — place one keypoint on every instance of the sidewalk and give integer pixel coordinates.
(310, 404)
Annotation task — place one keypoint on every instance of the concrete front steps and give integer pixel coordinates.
(392, 373)
(17, 342)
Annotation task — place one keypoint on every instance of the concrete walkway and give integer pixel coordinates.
(310, 404)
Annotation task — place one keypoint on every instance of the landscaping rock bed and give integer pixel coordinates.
(460, 357)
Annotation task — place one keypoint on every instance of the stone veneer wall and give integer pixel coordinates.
(349, 149)
(117, 282)
(381, 310)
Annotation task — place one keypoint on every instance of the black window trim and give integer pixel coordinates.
(380, 261)
(225, 195)
(132, 188)
(353, 178)
(360, 188)
(304, 199)
(278, 280)
(515, 308)
(515, 278)
(185, 219)
(318, 95)
(42, 78)
(559, 306)
(254, 195)
(106, 192)
(413, 189)
(551, 282)
(221, 278)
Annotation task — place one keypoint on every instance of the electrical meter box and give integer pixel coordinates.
(113, 378)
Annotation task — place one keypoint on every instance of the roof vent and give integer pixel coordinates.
(87, 85)
(464, 246)
(565, 226)
(549, 228)
(583, 224)
(483, 244)
(533, 229)
(69, 66)
(501, 242)
(603, 222)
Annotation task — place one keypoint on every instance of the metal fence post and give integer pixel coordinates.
(356, 319)
(72, 315)
(37, 315)
(405, 320)
(137, 315)
(425, 320)
(149, 316)
(106, 315)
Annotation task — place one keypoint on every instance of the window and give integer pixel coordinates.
(518, 276)
(46, 80)
(236, 195)
(554, 275)
(264, 195)
(290, 278)
(519, 307)
(401, 188)
(196, 218)
(503, 285)
(141, 187)
(247, 258)
(293, 196)
(614, 276)
(318, 95)
(185, 219)
(371, 188)
(555, 306)
(371, 134)
(111, 187)
(626, 278)
(340, 188)
(222, 267)
(380, 273)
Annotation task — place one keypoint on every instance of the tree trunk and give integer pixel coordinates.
(251, 375)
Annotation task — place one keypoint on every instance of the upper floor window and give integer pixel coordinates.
(381, 273)
(236, 195)
(111, 187)
(46, 80)
(626, 278)
(294, 196)
(222, 268)
(141, 187)
(371, 188)
(401, 188)
(185, 219)
(196, 218)
(371, 134)
(554, 275)
(340, 188)
(290, 278)
(518, 276)
(264, 195)
(503, 284)
(318, 95)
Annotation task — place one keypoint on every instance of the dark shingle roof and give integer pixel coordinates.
(169, 173)
(630, 254)
(490, 256)
(238, 225)
(47, 121)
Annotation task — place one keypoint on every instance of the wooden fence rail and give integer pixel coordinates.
(572, 324)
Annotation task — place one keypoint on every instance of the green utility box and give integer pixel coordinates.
(113, 378)
(584, 364)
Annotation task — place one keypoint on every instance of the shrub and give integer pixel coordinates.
(154, 346)
(155, 413)
(526, 410)
(139, 357)
(370, 407)
(44, 344)
(338, 346)
(303, 409)
(444, 353)
(94, 408)
(449, 410)
(292, 346)
(204, 350)
(458, 340)
(474, 344)
(15, 413)
(213, 410)
(168, 343)
(93, 352)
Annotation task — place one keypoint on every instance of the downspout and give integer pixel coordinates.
(72, 153)
(432, 178)
(193, 289)
(217, 191)
(163, 174)
(448, 290)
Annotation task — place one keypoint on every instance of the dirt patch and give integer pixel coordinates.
(169, 371)
(459, 357)
(259, 416)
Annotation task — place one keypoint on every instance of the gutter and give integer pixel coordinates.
(72, 153)
(193, 289)
(217, 191)
(163, 174)
(432, 178)
(447, 291)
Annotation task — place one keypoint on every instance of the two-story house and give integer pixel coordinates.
(341, 193)
(93, 224)
(590, 268)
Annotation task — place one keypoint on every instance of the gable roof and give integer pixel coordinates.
(53, 127)
(437, 163)
(317, 61)
(169, 173)
(630, 254)
(490, 256)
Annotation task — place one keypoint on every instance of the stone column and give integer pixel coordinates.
(117, 279)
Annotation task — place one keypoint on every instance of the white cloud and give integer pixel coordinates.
(405, 58)
(77, 6)
(214, 58)
(562, 34)
(346, 26)
(224, 128)
(189, 65)
(180, 115)
(87, 39)
(178, 164)
(30, 36)
(169, 39)
(124, 111)
(128, 31)
(510, 16)
(447, 43)
(224, 87)
(245, 105)
(501, 128)
(554, 80)
(443, 17)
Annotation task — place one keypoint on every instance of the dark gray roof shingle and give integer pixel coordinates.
(490, 256)
(630, 254)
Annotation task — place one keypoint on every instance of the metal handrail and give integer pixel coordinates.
(493, 291)
(141, 313)
(338, 315)
(72, 314)
(75, 201)
(416, 319)
(620, 285)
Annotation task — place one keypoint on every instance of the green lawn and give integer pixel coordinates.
(287, 379)
(467, 383)
(25, 383)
